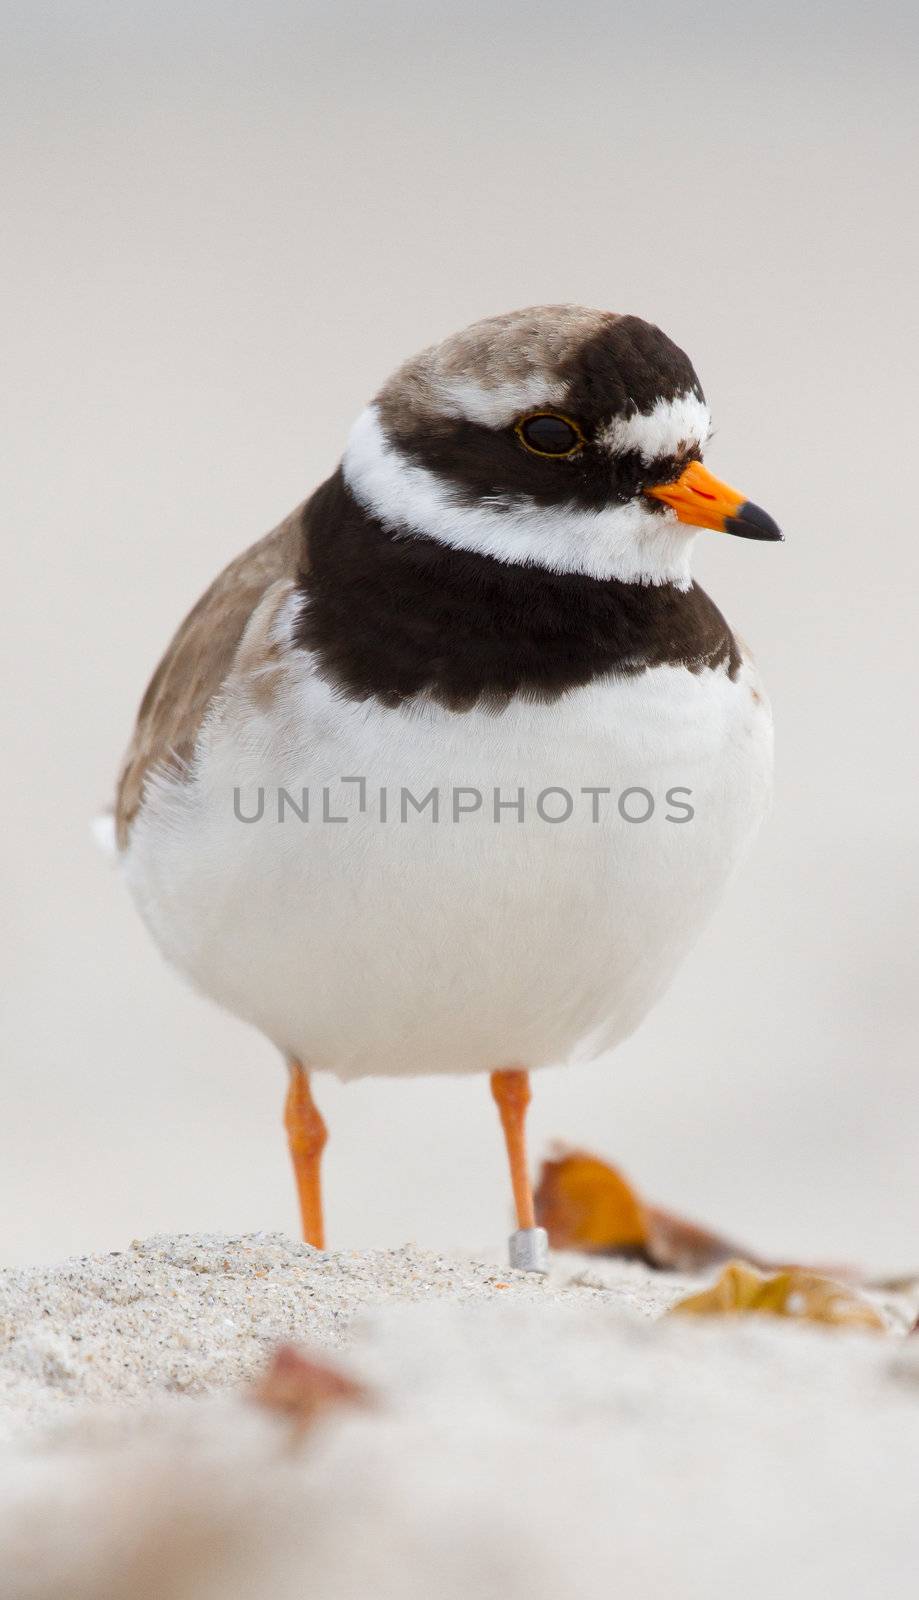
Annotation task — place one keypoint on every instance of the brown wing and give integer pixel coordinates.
(197, 663)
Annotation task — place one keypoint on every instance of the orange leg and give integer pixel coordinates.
(511, 1089)
(306, 1138)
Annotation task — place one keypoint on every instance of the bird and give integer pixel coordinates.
(447, 772)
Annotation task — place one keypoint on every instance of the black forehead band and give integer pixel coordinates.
(628, 366)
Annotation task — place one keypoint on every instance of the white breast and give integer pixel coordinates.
(406, 945)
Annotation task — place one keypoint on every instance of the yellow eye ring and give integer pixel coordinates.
(575, 438)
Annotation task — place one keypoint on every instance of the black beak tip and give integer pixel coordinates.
(752, 522)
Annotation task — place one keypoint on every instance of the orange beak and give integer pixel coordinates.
(703, 501)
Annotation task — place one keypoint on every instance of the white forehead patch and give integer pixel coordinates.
(496, 405)
(661, 431)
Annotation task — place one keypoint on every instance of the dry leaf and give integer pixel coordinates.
(806, 1296)
(300, 1387)
(586, 1204)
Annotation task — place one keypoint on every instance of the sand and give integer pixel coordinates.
(527, 1438)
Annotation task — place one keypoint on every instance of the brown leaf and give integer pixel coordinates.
(586, 1204)
(806, 1296)
(300, 1387)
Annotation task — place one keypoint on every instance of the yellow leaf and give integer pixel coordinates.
(585, 1204)
(805, 1296)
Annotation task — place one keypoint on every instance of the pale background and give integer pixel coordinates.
(221, 232)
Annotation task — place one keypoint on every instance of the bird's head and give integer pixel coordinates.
(556, 437)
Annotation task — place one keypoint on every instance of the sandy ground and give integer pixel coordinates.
(525, 1438)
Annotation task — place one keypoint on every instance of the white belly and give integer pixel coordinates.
(414, 946)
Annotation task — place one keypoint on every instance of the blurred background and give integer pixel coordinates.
(223, 227)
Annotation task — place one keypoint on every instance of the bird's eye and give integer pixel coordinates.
(545, 433)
